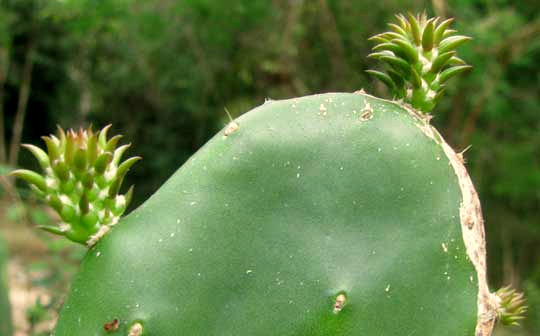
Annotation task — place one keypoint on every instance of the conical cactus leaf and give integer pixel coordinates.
(31, 177)
(39, 154)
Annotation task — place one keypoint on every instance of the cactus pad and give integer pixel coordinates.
(333, 214)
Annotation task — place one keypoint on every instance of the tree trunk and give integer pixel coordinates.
(332, 40)
(24, 94)
(4, 69)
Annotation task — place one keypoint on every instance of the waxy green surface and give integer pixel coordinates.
(260, 231)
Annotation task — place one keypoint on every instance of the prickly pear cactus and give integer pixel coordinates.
(332, 214)
(5, 311)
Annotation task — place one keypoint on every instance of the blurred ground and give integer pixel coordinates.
(40, 268)
(23, 296)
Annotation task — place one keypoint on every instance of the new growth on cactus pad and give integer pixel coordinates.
(420, 57)
(82, 175)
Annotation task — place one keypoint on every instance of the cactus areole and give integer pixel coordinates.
(332, 214)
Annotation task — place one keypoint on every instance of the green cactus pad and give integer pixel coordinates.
(334, 214)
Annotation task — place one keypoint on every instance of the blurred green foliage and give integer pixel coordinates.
(5, 310)
(162, 71)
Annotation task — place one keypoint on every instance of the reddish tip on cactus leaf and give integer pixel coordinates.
(82, 176)
(422, 52)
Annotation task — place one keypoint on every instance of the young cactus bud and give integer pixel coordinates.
(421, 52)
(512, 306)
(81, 180)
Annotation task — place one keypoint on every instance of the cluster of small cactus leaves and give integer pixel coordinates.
(333, 214)
(420, 57)
(81, 180)
(512, 306)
